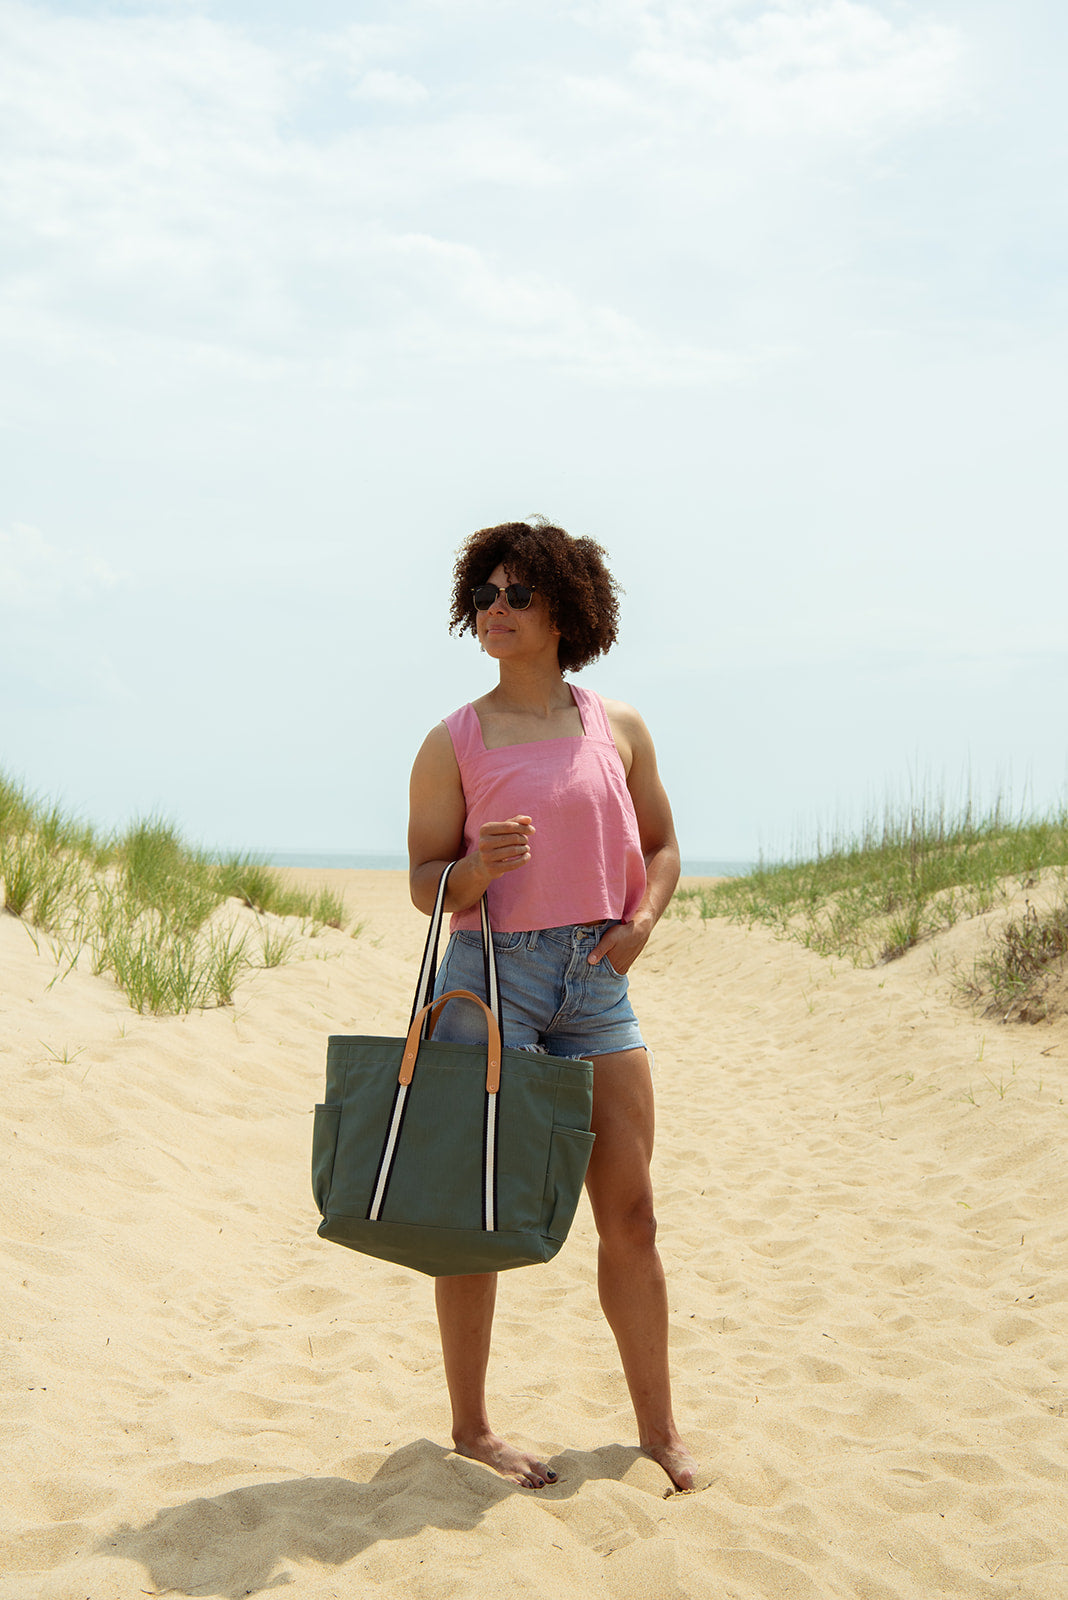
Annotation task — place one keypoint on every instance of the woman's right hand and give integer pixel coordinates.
(504, 846)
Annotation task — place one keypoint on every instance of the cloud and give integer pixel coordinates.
(825, 70)
(36, 575)
(797, 69)
(159, 176)
(391, 88)
(162, 210)
(182, 196)
(465, 307)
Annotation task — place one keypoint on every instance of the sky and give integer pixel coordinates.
(769, 299)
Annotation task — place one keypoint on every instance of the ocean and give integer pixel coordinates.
(379, 862)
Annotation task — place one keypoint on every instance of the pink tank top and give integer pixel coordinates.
(586, 862)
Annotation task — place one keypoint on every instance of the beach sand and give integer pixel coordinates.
(863, 1200)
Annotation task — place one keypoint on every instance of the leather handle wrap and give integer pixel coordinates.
(493, 1038)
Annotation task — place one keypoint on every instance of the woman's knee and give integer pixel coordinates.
(629, 1230)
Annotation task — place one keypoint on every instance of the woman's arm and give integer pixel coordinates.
(656, 831)
(436, 815)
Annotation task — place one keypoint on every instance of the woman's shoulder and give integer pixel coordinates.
(462, 730)
(617, 708)
(629, 734)
(462, 717)
(438, 742)
(619, 713)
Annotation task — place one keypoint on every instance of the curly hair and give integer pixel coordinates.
(571, 575)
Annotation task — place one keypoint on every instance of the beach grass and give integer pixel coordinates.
(1026, 962)
(870, 895)
(148, 908)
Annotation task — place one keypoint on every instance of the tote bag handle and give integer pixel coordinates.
(424, 988)
(424, 1013)
(493, 1038)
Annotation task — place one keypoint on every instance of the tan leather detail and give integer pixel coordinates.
(493, 1039)
(439, 1006)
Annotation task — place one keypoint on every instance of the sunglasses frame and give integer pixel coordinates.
(508, 591)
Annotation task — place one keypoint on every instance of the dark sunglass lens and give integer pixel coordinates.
(518, 596)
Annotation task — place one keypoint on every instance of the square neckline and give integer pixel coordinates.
(522, 744)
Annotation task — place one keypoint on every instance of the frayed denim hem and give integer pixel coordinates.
(540, 1050)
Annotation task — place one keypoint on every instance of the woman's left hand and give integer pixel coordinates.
(622, 944)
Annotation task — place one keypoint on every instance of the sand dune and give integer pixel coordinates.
(863, 1194)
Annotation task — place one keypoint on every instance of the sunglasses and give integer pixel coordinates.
(518, 595)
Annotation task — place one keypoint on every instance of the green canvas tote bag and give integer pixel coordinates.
(450, 1158)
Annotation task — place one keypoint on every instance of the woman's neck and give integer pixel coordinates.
(530, 688)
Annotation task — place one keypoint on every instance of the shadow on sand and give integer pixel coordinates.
(231, 1544)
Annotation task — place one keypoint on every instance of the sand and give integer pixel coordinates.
(863, 1200)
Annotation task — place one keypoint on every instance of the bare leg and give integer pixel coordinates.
(630, 1277)
(465, 1319)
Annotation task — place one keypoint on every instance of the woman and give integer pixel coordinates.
(549, 800)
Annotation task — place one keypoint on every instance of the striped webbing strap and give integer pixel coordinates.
(491, 1117)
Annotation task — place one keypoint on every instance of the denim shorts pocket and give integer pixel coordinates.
(621, 977)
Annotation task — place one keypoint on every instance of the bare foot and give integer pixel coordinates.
(516, 1465)
(676, 1461)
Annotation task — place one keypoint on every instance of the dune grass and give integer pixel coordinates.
(148, 908)
(904, 877)
(1027, 961)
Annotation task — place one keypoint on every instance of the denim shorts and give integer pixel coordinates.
(553, 999)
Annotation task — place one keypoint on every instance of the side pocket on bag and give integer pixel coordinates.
(324, 1146)
(569, 1156)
